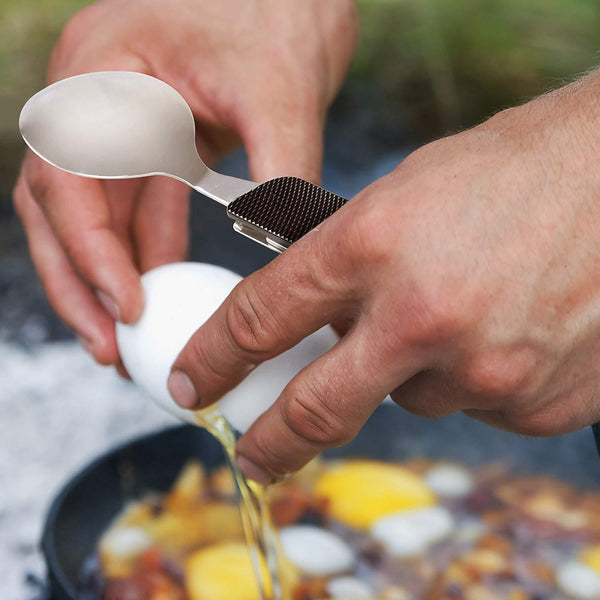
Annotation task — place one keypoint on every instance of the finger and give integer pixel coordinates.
(323, 407)
(214, 143)
(122, 199)
(122, 371)
(78, 212)
(161, 223)
(254, 324)
(287, 141)
(431, 394)
(70, 297)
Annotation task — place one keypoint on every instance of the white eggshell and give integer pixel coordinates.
(578, 581)
(179, 298)
(316, 551)
(125, 542)
(411, 532)
(450, 481)
(348, 588)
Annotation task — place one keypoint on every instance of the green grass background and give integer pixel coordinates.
(439, 64)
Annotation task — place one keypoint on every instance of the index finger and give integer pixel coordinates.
(267, 313)
(78, 211)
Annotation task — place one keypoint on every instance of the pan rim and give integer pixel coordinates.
(58, 578)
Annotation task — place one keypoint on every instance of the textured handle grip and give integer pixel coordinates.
(283, 209)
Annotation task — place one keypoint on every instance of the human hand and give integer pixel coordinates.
(261, 72)
(469, 278)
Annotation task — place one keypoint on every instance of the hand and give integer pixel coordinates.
(261, 72)
(470, 281)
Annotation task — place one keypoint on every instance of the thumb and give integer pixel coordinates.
(287, 141)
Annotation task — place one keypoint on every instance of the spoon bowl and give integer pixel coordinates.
(121, 124)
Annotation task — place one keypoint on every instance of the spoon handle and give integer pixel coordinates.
(280, 211)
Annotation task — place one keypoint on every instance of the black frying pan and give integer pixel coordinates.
(90, 500)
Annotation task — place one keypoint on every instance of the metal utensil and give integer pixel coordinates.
(121, 124)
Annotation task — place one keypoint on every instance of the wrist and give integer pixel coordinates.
(560, 129)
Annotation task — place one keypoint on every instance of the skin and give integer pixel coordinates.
(264, 79)
(467, 279)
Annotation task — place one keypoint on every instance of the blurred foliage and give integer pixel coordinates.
(28, 30)
(448, 64)
(439, 64)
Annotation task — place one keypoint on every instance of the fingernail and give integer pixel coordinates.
(86, 344)
(253, 471)
(182, 389)
(109, 304)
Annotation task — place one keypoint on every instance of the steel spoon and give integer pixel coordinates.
(121, 124)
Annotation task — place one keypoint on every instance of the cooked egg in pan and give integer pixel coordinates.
(580, 577)
(361, 492)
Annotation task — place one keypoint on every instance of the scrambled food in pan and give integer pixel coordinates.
(416, 530)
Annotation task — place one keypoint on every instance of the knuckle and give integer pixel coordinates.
(309, 416)
(420, 405)
(542, 423)
(199, 362)
(275, 463)
(38, 181)
(441, 316)
(433, 317)
(365, 243)
(77, 250)
(249, 322)
(499, 373)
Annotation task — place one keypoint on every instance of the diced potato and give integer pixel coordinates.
(222, 483)
(495, 542)
(479, 592)
(457, 574)
(177, 532)
(486, 562)
(198, 525)
(395, 592)
(222, 522)
(189, 487)
(136, 514)
(120, 549)
(149, 585)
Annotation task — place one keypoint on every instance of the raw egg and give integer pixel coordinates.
(179, 298)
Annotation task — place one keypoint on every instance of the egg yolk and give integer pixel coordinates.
(362, 492)
(590, 557)
(223, 572)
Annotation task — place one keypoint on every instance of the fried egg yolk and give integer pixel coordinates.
(361, 492)
(222, 572)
